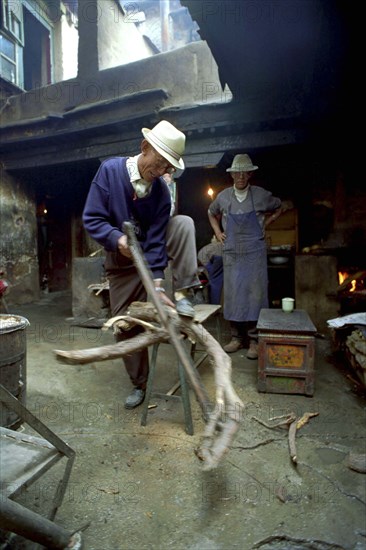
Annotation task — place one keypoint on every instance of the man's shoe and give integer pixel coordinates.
(234, 345)
(135, 398)
(253, 350)
(185, 308)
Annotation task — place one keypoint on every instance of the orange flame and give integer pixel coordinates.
(342, 276)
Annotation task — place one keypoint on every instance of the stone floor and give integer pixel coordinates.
(135, 487)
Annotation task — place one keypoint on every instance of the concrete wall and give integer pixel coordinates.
(85, 303)
(188, 74)
(119, 40)
(68, 49)
(18, 243)
(65, 44)
(316, 285)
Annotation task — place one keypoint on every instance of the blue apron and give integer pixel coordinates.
(245, 267)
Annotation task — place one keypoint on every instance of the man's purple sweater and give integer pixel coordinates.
(112, 201)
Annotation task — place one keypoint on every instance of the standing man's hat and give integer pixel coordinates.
(168, 141)
(242, 163)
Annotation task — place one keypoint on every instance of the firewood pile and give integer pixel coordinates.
(356, 352)
(349, 337)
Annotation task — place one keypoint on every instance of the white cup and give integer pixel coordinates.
(288, 304)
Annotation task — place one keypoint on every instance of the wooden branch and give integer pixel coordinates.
(126, 322)
(293, 425)
(223, 421)
(305, 419)
(288, 419)
(259, 444)
(291, 441)
(113, 351)
(215, 445)
(164, 318)
(225, 393)
(295, 543)
(282, 416)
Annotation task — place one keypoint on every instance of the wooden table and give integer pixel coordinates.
(286, 352)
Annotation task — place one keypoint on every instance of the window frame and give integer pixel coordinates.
(17, 62)
(10, 12)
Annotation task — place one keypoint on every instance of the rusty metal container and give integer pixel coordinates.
(286, 352)
(13, 369)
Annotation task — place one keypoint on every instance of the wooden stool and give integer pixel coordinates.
(203, 313)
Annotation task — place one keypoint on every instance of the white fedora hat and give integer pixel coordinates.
(242, 163)
(168, 141)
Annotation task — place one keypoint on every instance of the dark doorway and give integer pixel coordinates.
(60, 193)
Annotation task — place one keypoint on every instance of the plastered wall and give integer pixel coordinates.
(18, 244)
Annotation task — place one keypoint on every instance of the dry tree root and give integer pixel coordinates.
(216, 442)
(224, 420)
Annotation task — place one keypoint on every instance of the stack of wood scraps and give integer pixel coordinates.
(356, 352)
(349, 336)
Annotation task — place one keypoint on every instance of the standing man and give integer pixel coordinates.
(237, 216)
(132, 189)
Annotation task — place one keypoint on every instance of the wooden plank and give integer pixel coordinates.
(204, 311)
(276, 321)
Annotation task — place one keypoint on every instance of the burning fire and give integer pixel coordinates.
(343, 276)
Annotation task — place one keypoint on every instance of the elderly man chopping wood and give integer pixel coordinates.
(132, 189)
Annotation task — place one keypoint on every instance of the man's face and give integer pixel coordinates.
(151, 164)
(241, 179)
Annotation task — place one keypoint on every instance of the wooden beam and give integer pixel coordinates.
(198, 153)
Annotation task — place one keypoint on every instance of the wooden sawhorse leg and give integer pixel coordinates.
(149, 384)
(184, 389)
(185, 399)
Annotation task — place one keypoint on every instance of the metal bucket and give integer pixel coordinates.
(13, 371)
